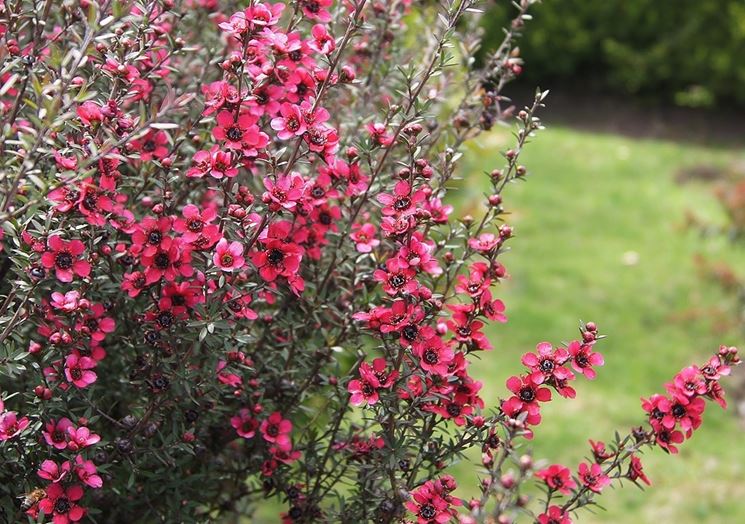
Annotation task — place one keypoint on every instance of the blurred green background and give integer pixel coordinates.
(690, 52)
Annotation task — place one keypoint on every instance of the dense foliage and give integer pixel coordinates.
(687, 52)
(231, 280)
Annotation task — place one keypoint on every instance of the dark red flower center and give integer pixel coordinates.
(61, 505)
(453, 410)
(397, 280)
(161, 260)
(410, 332)
(154, 237)
(428, 511)
(195, 225)
(234, 133)
(678, 410)
(226, 259)
(63, 260)
(547, 365)
(165, 318)
(402, 203)
(317, 138)
(76, 374)
(275, 256)
(527, 394)
(293, 124)
(367, 389)
(272, 430)
(431, 357)
(90, 201)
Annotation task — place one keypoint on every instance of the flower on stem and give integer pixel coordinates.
(152, 145)
(363, 236)
(61, 503)
(583, 359)
(229, 256)
(291, 122)
(244, 423)
(636, 471)
(276, 430)
(63, 256)
(525, 399)
(216, 163)
(78, 370)
(557, 478)
(554, 515)
(593, 477)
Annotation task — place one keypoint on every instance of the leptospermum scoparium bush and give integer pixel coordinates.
(230, 280)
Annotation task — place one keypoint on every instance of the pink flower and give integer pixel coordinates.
(245, 425)
(87, 473)
(10, 424)
(434, 355)
(229, 257)
(276, 430)
(636, 471)
(89, 112)
(171, 259)
(583, 359)
(378, 134)
(402, 202)
(493, 309)
(81, 438)
(53, 472)
(215, 163)
(547, 364)
(285, 192)
(291, 122)
(554, 515)
(484, 243)
(322, 41)
(78, 370)
(96, 323)
(68, 302)
(240, 133)
(317, 9)
(63, 257)
(196, 223)
(279, 258)
(364, 237)
(60, 503)
(55, 432)
(149, 234)
(152, 145)
(558, 478)
(365, 389)
(689, 382)
(593, 477)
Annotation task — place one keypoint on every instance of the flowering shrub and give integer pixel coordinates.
(230, 274)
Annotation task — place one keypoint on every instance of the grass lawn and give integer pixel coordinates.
(600, 236)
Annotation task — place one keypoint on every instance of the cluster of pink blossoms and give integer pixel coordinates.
(202, 233)
(675, 416)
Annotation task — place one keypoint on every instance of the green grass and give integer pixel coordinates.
(589, 201)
